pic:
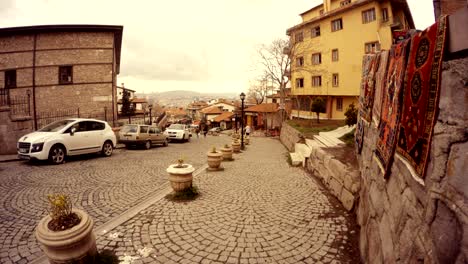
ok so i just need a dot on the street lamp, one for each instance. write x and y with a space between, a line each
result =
242 97
150 108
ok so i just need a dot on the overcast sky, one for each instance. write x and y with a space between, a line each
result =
198 45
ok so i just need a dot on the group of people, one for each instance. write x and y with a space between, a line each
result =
204 130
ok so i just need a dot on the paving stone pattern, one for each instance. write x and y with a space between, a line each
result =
258 210
104 187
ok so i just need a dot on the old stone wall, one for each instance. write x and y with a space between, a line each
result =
342 180
289 136
404 221
14 129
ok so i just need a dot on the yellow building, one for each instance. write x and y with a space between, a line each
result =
326 57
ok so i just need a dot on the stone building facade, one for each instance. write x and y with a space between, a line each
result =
448 7
55 71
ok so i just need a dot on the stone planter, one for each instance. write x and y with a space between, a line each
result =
227 153
180 178
75 245
236 146
214 160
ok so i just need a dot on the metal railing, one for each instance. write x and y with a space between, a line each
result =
4 97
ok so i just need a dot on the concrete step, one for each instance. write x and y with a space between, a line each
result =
325 141
296 159
332 139
314 143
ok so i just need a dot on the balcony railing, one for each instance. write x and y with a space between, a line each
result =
4 97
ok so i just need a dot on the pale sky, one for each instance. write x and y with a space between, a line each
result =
197 45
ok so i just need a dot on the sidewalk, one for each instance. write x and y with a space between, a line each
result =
8 158
258 210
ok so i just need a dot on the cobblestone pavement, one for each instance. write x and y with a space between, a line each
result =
104 187
258 210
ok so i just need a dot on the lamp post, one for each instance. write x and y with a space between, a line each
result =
242 97
150 108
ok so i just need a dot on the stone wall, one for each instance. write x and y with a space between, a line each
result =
289 136
14 129
340 179
403 221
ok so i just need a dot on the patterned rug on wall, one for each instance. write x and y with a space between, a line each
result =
421 95
379 86
370 65
391 107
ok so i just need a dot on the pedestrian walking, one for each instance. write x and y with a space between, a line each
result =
205 130
197 130
247 130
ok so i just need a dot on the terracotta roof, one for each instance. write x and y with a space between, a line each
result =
263 108
211 110
226 116
176 112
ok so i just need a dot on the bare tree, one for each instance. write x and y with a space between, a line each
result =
259 89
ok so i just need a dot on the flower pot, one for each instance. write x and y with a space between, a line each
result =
74 245
214 160
236 146
227 153
180 177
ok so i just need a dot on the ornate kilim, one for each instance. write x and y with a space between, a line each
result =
379 86
359 137
421 95
391 106
370 64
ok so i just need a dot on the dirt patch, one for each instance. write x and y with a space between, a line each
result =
64 222
345 154
309 128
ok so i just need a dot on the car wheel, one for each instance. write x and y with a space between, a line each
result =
147 144
166 143
107 149
57 154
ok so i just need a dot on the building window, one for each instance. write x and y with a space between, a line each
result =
339 104
346 2
321 12
336 81
334 54
368 15
65 74
316 80
315 32
300 83
372 47
316 58
337 24
10 79
384 14
300 62
299 37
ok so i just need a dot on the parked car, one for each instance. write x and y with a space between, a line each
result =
69 137
178 132
142 135
214 131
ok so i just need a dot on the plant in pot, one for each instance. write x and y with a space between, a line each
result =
214 159
227 152
66 233
180 175
236 145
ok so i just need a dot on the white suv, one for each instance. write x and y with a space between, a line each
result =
178 131
67 137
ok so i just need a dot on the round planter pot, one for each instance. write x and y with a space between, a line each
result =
236 147
227 153
214 159
180 178
75 245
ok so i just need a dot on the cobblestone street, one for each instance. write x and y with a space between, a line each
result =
259 209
